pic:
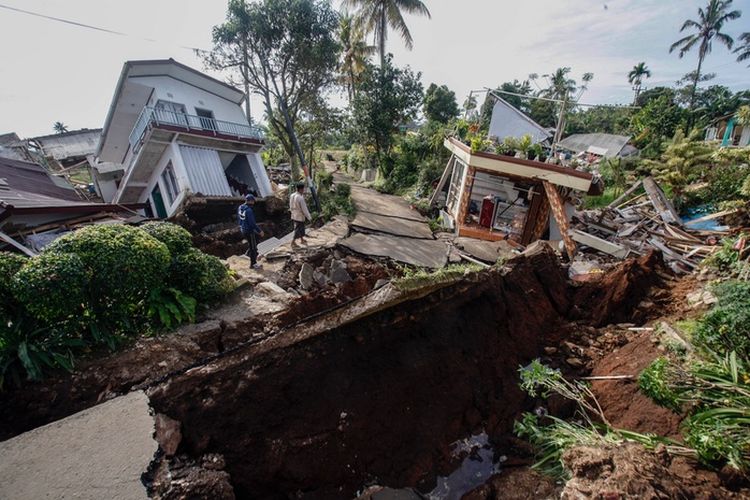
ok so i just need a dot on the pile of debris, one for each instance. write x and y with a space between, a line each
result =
641 219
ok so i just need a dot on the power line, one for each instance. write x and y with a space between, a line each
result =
83 25
549 99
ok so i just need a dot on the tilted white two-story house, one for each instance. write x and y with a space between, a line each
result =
172 132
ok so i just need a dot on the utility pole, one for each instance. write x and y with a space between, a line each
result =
560 123
247 84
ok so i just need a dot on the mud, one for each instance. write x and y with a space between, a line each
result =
380 398
375 396
213 222
631 471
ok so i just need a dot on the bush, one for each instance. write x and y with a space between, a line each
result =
338 202
727 326
52 287
125 263
200 276
356 159
654 383
10 264
325 180
177 238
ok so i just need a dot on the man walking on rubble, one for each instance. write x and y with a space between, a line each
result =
300 213
250 229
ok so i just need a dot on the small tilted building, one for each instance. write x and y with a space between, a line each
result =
494 197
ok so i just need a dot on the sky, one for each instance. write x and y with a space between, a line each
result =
52 71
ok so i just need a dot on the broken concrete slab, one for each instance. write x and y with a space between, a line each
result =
397 226
488 251
422 253
306 276
98 453
368 200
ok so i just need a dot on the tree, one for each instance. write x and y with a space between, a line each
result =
743 51
387 97
636 76
717 101
440 104
354 54
656 122
707 28
648 95
60 127
286 52
562 88
376 16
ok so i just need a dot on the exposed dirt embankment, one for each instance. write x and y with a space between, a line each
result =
381 398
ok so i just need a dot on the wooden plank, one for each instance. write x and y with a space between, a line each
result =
632 189
443 179
557 205
661 203
10 241
600 244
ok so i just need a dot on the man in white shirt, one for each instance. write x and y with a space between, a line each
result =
300 213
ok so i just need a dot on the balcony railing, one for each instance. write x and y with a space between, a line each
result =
158 116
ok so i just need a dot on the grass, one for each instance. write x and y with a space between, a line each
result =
415 278
610 194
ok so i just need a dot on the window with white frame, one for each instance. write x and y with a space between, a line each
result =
170 183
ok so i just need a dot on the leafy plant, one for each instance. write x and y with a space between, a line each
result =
338 202
10 264
125 263
727 326
52 287
552 438
201 276
169 307
177 239
30 350
653 382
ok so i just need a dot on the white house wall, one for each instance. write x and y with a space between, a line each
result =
172 153
173 90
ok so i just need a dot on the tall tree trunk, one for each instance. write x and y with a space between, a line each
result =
300 154
692 92
381 40
352 89
246 81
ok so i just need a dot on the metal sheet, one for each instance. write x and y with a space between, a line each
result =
205 172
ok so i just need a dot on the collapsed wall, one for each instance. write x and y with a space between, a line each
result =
377 399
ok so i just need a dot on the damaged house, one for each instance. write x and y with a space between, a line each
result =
35 206
495 197
172 132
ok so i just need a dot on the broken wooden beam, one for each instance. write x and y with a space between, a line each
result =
600 244
632 189
557 206
660 202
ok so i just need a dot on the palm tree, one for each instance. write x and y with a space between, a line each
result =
743 51
636 76
709 25
376 16
354 54
60 127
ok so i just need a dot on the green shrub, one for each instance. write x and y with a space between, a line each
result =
169 307
727 326
356 159
52 287
200 276
177 238
654 383
10 264
125 264
325 180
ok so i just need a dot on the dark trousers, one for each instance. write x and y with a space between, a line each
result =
299 229
252 248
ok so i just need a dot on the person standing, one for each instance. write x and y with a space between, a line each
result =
300 213
250 229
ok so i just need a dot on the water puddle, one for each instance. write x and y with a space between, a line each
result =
477 467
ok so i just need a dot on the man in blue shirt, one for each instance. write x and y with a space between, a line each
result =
250 229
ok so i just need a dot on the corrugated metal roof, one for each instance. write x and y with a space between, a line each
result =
24 184
610 143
